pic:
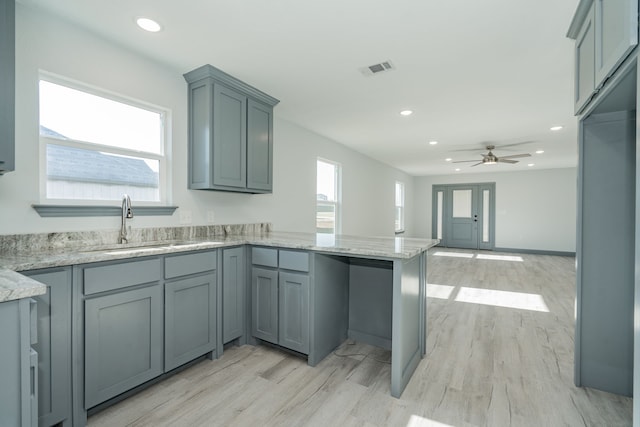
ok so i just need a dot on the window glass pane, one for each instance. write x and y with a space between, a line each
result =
67 113
326 218
326 181
439 220
81 174
462 203
485 216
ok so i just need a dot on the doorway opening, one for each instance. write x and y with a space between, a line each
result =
463 215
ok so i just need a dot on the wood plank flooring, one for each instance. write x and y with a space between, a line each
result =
487 364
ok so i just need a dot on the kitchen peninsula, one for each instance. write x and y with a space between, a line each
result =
304 292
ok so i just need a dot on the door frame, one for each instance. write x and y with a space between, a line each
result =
447 191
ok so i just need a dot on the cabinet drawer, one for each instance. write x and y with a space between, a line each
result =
182 265
116 276
294 260
264 256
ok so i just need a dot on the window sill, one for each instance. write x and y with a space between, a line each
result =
78 211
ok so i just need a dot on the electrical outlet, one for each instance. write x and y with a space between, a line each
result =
185 217
211 218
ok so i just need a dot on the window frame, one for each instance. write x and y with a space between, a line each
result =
163 157
337 203
401 228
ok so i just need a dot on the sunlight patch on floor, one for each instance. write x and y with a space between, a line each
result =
519 300
439 291
500 257
454 254
417 421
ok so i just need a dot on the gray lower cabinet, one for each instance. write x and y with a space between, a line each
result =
18 366
264 304
230 133
123 341
54 346
233 290
190 319
280 298
293 311
7 86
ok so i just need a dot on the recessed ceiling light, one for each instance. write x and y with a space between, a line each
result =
148 25
457 169
433 142
406 112
555 128
448 159
531 164
539 151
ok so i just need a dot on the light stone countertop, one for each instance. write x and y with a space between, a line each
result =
16 286
388 248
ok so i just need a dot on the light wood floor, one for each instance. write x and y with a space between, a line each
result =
486 365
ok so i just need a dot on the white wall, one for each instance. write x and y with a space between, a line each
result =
534 209
47 43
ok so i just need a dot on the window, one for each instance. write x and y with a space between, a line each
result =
96 146
328 197
399 207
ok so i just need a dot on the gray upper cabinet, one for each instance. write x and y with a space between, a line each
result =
616 25
54 346
230 133
605 32
229 136
584 60
233 300
7 86
259 146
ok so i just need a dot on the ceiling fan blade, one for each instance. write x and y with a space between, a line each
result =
464 161
515 156
503 160
479 163
515 144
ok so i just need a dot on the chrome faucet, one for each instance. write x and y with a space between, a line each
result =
126 213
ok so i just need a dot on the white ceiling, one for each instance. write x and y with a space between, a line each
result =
473 72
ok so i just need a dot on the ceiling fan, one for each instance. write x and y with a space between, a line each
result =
492 159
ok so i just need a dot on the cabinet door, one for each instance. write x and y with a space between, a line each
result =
294 311
259 146
585 63
264 304
17 376
7 86
616 34
54 346
229 137
122 342
233 301
190 319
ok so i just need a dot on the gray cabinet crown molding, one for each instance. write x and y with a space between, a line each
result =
207 71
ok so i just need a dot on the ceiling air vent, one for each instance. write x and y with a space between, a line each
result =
377 68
